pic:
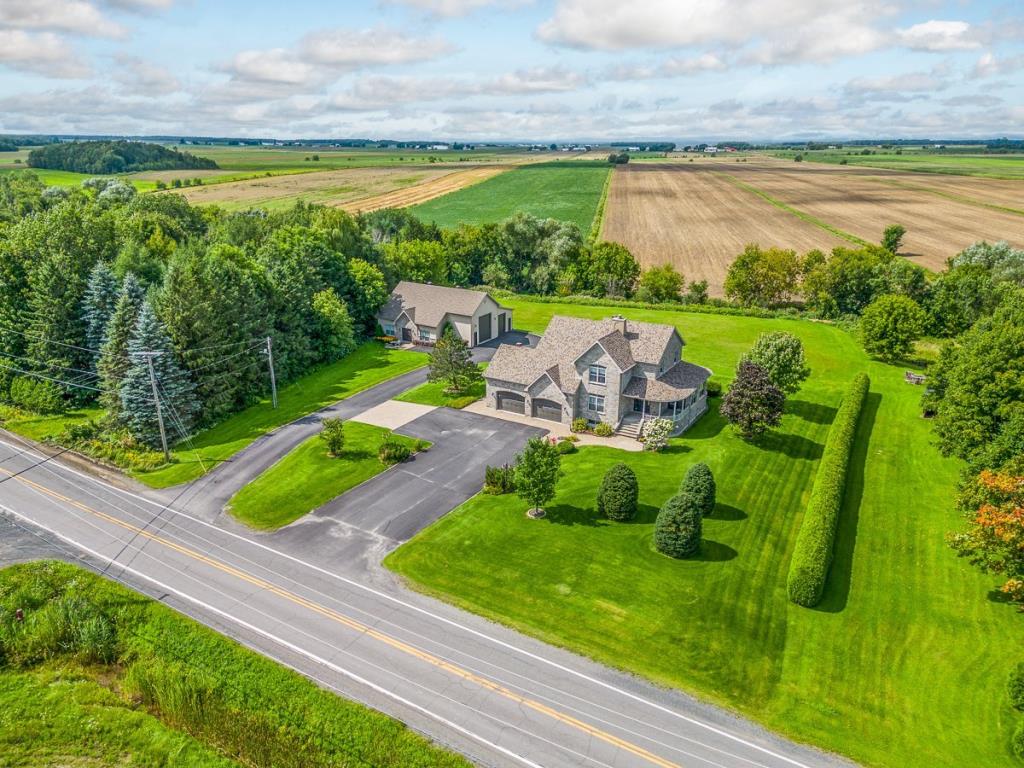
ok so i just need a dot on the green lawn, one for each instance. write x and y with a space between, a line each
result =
367 366
432 393
59 709
903 663
309 477
569 191
40 427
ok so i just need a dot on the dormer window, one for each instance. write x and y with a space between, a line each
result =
598 374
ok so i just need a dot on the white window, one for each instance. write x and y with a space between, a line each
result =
595 403
597 374
424 335
389 330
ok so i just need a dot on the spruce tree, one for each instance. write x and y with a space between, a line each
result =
679 526
98 306
700 483
176 391
452 362
113 361
617 497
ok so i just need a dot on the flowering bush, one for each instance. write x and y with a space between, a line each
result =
654 434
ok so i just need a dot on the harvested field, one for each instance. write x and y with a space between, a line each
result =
168 176
427 190
864 202
327 187
696 220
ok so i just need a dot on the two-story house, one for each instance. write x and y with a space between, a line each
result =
613 370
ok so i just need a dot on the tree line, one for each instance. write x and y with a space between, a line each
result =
114 157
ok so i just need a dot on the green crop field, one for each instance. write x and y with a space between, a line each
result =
1009 166
568 190
904 662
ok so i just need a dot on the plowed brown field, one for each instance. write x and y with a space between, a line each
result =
696 220
692 216
427 190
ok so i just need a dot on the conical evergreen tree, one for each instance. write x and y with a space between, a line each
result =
98 305
679 525
113 362
176 391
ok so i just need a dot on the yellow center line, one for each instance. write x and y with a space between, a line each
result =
357 626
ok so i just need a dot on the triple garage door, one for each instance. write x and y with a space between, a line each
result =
511 401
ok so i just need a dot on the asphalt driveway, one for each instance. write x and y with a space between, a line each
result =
360 527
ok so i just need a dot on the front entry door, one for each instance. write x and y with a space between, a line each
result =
643 407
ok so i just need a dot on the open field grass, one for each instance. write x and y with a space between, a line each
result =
863 203
567 191
432 393
42 427
209 698
1009 166
428 190
308 477
69 179
905 642
684 215
368 365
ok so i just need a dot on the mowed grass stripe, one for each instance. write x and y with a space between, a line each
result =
795 211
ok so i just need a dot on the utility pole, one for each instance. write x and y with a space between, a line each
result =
156 400
273 380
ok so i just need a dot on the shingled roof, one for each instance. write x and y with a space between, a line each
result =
678 382
567 338
427 304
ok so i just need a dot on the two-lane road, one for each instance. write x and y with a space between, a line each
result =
500 698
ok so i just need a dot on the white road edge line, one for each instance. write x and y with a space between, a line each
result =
476 633
280 641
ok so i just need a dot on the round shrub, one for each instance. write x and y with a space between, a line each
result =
714 389
1015 686
566 446
579 424
604 429
701 484
679 526
393 452
617 497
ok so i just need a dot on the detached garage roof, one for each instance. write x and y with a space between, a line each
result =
430 303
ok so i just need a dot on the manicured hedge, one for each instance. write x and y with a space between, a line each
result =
812 556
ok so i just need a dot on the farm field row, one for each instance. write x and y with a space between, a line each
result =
699 216
569 191
1008 166
905 641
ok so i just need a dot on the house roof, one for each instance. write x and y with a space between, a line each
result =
567 338
427 304
678 382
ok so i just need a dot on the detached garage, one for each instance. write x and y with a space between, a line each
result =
511 401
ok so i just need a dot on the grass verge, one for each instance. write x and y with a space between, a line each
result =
905 639
308 477
98 675
432 393
795 211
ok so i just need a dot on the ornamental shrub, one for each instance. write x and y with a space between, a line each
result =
579 424
679 526
617 496
1015 686
812 556
332 432
655 434
566 446
700 483
499 480
604 429
714 389
391 451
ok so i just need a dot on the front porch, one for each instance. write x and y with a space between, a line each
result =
682 413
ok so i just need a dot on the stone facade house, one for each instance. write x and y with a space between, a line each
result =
613 370
417 312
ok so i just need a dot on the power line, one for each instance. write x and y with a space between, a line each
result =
45 340
49 365
56 381
250 342
211 364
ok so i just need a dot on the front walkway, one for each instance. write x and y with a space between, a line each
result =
555 428
392 414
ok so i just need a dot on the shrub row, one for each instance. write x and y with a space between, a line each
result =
812 555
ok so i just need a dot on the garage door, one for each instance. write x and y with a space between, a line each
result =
485 328
511 401
547 409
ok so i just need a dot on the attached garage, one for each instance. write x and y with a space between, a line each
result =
547 409
511 401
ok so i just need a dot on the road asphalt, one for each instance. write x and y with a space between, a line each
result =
314 597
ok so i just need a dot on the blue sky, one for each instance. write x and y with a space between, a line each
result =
544 70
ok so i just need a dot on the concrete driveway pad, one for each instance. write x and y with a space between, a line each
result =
393 414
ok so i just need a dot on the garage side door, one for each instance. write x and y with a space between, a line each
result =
511 401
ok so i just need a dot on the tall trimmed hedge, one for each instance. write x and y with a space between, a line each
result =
812 556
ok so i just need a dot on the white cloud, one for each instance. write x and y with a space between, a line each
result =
672 67
939 36
139 75
450 8
277 65
988 65
75 16
43 53
141 5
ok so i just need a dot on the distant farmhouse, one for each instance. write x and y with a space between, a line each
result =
613 370
418 312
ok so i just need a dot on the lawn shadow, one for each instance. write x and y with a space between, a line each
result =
709 425
646 513
840 577
675 448
998 596
563 514
816 413
793 446
726 512
714 552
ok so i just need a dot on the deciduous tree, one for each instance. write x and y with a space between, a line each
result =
890 326
781 354
753 403
763 278
660 284
892 237
537 471
332 432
